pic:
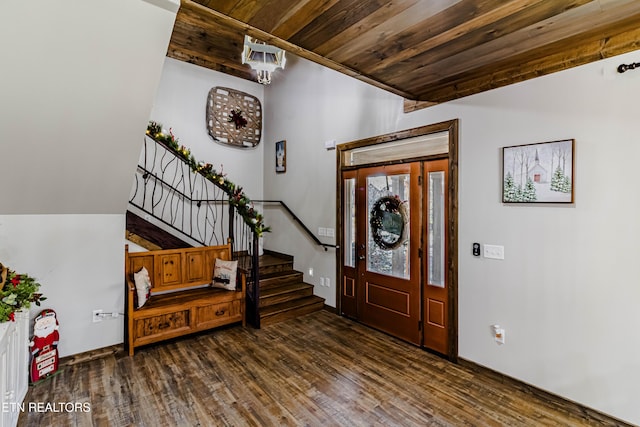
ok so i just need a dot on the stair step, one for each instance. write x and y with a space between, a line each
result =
270 263
281 278
290 309
280 294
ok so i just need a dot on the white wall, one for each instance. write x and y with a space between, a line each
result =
79 261
180 104
567 290
77 82
306 106
76 87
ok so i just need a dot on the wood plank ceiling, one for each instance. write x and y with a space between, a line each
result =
423 50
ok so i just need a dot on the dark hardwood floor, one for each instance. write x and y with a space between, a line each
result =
316 370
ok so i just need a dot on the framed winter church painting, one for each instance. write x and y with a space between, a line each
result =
538 173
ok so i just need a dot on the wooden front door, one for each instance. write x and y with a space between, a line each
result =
395 256
381 281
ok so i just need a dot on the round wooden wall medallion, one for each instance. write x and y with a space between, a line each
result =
234 118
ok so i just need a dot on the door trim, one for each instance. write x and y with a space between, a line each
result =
452 226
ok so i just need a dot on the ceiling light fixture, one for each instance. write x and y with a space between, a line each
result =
263 58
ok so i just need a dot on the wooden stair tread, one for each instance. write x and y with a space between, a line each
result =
279 274
287 306
268 260
285 311
279 279
284 289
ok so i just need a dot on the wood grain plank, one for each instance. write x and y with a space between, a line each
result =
392 15
320 369
299 15
215 18
336 19
585 52
508 42
486 25
401 32
549 32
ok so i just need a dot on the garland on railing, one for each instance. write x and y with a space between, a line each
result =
237 197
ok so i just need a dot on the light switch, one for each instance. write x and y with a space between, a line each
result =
493 251
322 231
331 232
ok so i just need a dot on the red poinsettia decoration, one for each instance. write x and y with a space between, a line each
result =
237 119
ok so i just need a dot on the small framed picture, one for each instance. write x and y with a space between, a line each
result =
281 156
538 173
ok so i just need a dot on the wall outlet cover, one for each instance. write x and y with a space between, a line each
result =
493 251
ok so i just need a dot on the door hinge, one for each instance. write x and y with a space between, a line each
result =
419 179
419 252
419 325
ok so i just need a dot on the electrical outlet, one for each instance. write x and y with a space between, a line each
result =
97 316
498 334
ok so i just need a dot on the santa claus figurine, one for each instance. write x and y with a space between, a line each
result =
44 344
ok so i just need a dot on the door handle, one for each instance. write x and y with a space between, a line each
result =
361 257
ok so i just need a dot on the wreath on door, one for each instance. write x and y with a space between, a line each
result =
388 222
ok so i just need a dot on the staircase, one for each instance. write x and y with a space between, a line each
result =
283 293
191 199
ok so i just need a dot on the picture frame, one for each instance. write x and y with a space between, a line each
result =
281 156
539 173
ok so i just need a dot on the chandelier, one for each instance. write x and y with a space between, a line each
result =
263 58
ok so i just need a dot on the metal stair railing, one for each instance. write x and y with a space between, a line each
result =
187 203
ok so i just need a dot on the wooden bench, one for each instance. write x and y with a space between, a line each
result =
180 301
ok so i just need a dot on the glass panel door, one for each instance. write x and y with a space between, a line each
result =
388 225
350 232
387 242
435 230
349 222
435 291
